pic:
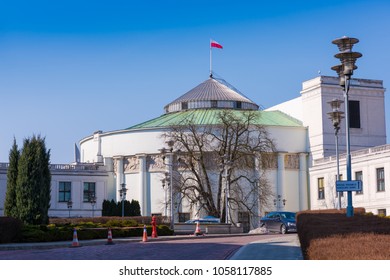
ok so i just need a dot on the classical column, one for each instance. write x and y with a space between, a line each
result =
172 211
280 181
303 187
256 193
119 174
143 186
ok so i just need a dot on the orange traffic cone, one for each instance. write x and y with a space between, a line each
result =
109 238
145 235
197 230
75 242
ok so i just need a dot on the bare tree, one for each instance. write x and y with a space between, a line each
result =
232 154
332 194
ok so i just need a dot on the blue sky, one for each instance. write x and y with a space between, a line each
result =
69 68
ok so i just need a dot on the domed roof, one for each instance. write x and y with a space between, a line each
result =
212 93
211 117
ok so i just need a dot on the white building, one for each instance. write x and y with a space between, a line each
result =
138 163
303 174
370 161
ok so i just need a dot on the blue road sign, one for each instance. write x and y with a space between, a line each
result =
347 186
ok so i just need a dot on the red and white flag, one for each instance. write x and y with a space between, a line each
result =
214 44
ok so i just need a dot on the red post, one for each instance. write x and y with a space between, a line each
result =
154 229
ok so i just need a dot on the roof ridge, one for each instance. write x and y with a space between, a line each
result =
207 116
287 116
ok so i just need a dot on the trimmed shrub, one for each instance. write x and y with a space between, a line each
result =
10 229
87 231
324 224
139 220
112 208
121 223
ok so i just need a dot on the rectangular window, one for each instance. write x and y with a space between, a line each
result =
381 212
184 105
238 104
64 191
183 217
321 188
380 179
354 114
89 191
214 103
359 176
340 179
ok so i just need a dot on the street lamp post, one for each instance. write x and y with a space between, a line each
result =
164 182
226 195
122 194
92 200
278 201
336 116
345 71
170 165
69 204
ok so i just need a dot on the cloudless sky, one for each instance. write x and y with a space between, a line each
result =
69 68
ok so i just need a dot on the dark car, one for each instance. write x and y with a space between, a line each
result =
279 221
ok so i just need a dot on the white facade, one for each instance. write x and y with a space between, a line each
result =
77 175
368 142
138 164
312 108
366 164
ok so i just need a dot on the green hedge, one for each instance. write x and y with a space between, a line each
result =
64 233
13 230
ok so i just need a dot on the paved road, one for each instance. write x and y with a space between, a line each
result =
195 248
286 247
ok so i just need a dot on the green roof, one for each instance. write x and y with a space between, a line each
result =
210 116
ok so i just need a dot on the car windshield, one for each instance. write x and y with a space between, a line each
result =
287 215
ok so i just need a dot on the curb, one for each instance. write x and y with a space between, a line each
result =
95 242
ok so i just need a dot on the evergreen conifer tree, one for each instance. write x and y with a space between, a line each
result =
33 182
10 208
135 208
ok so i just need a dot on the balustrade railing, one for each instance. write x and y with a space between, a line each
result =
4 165
357 153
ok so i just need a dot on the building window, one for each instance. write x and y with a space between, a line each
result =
321 188
354 114
214 104
380 179
89 191
183 217
359 176
340 179
238 105
184 105
64 191
381 212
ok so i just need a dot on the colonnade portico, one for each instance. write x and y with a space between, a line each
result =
142 174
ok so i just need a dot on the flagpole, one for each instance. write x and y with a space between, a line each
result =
211 59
